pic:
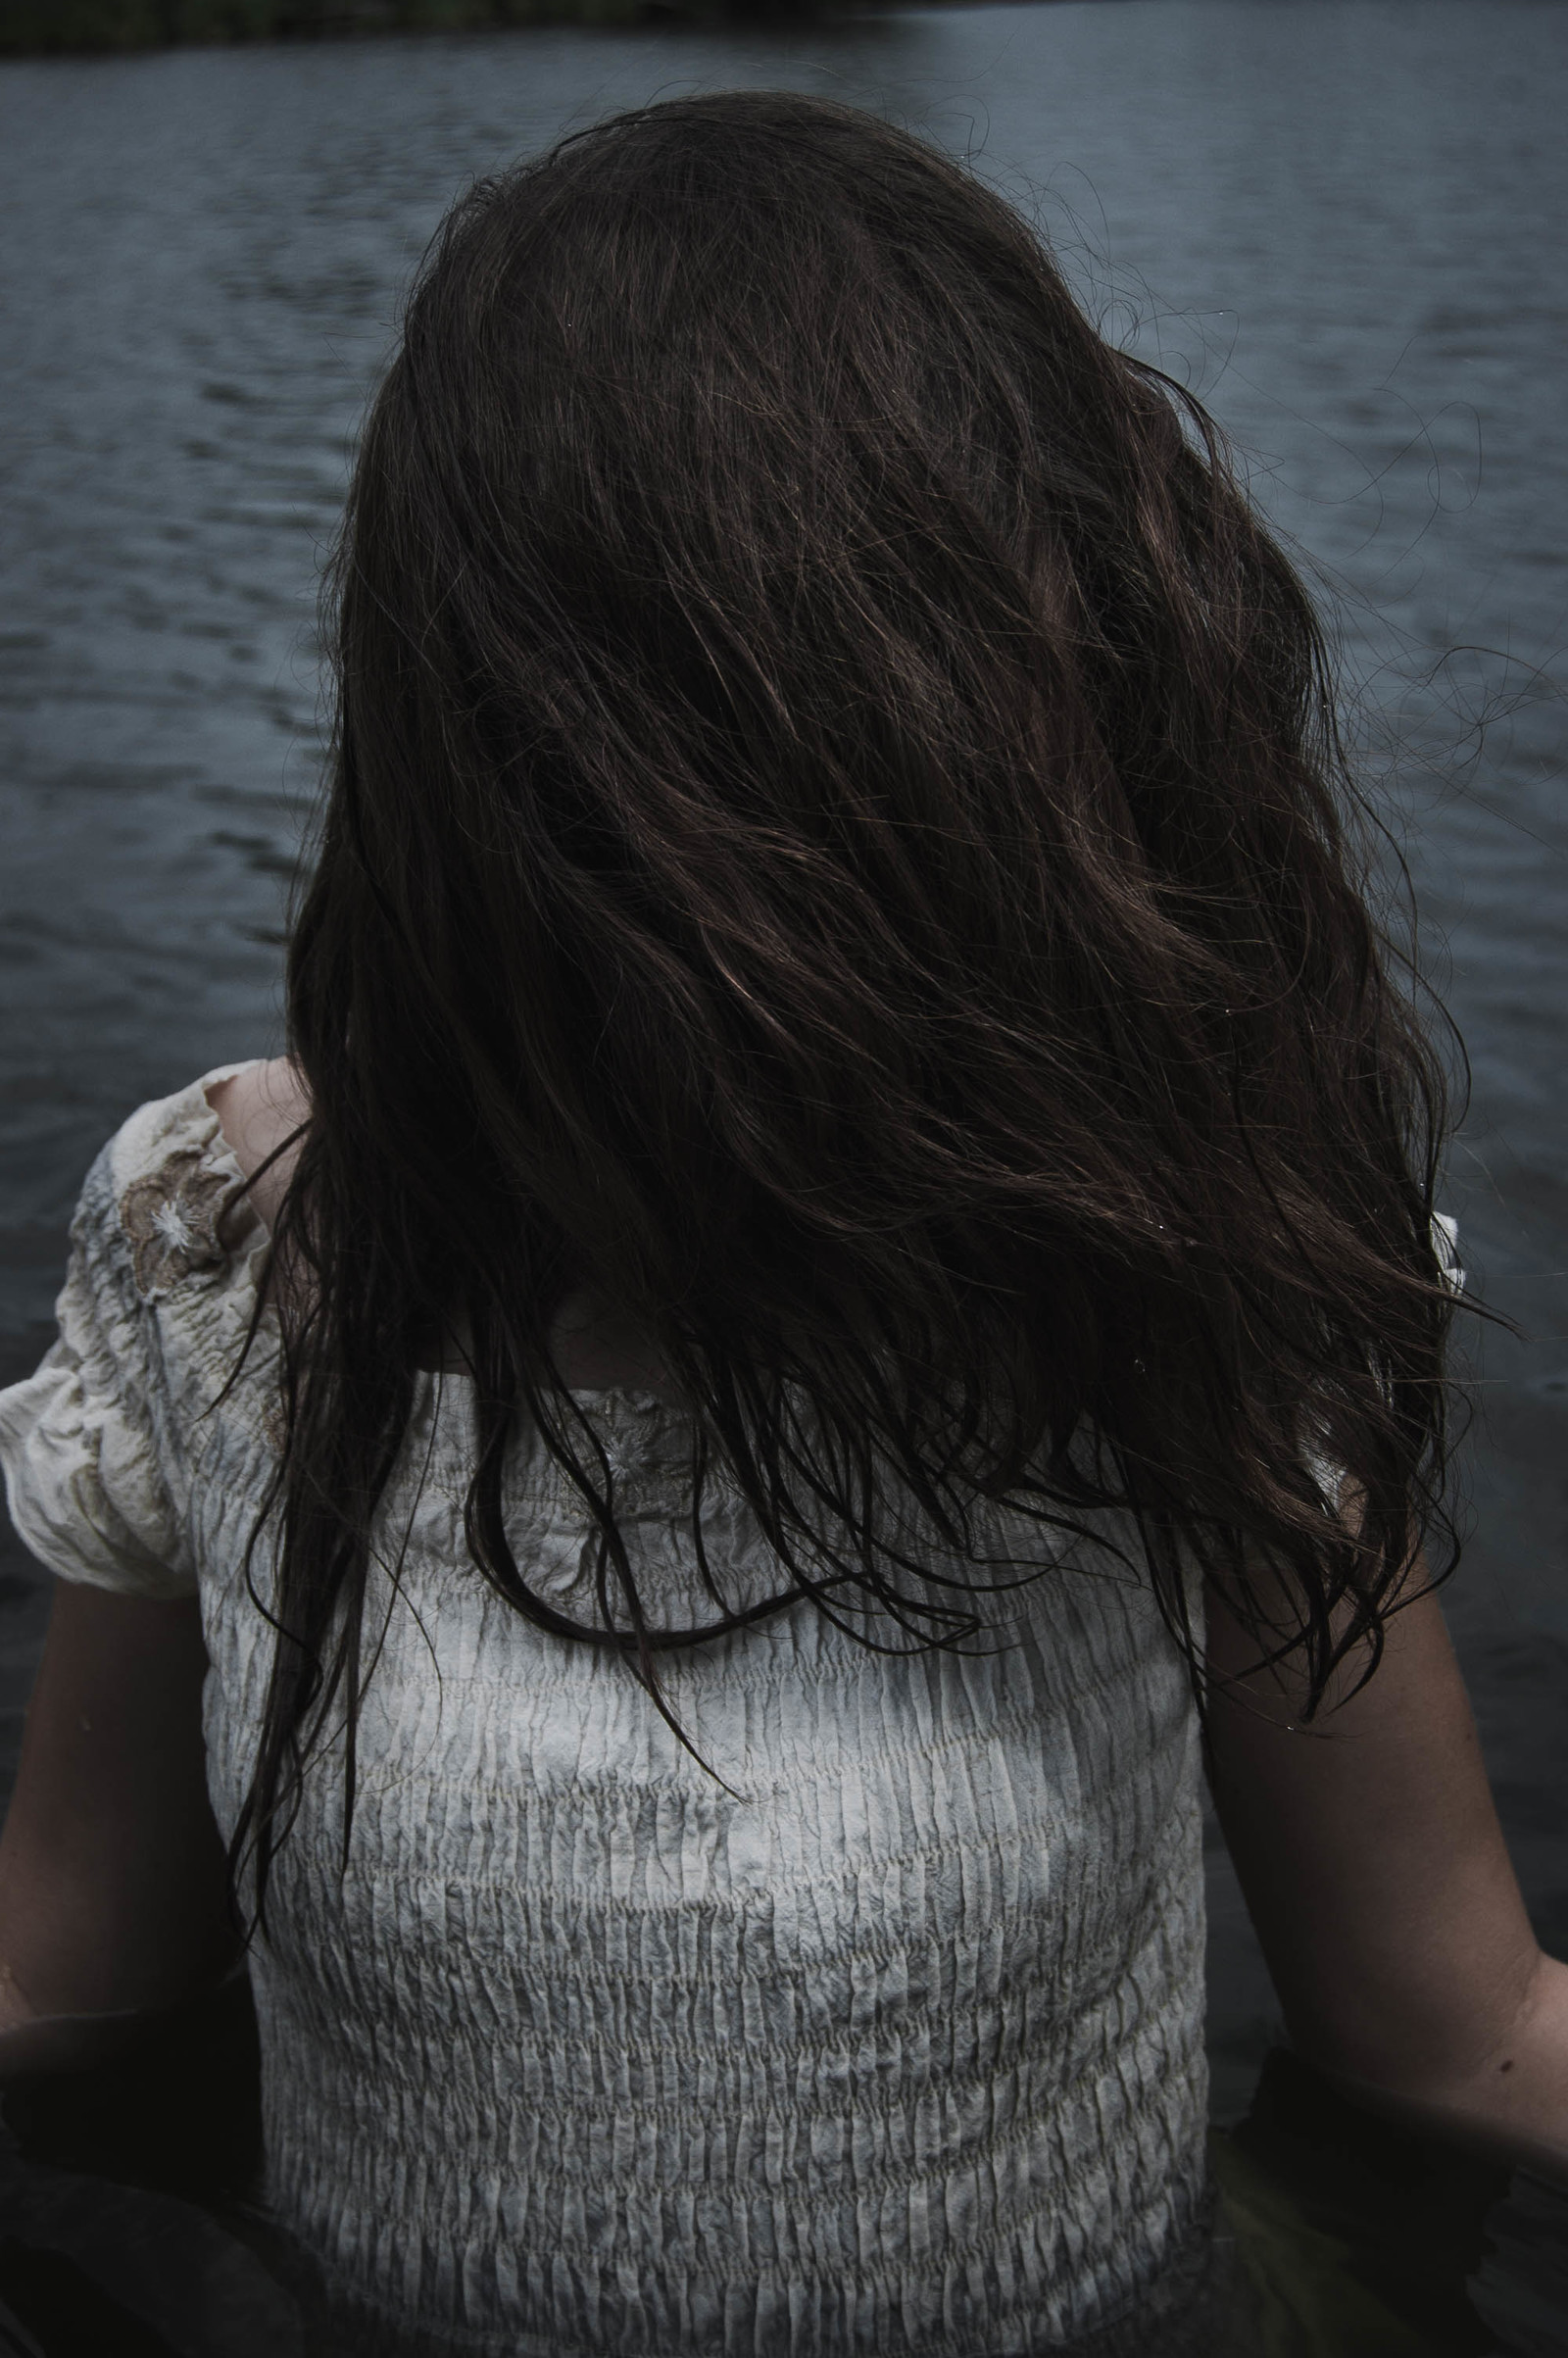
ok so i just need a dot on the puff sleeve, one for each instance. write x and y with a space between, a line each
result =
85 1479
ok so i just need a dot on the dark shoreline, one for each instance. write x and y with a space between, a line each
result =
37 29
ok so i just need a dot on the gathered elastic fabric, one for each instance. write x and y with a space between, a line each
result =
895 2047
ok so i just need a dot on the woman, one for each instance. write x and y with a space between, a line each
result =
843 1258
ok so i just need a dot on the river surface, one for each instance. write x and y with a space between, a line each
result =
1342 223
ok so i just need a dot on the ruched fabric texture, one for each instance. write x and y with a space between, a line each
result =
895 2047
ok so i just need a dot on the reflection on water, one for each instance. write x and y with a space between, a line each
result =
1341 223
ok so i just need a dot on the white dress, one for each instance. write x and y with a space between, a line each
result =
899 2051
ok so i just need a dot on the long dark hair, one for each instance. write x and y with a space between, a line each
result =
839 837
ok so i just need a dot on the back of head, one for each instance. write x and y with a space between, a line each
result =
838 835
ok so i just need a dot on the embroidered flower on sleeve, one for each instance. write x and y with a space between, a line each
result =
172 1217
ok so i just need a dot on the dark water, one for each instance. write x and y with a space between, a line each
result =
1343 223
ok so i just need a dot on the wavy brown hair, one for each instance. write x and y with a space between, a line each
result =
839 837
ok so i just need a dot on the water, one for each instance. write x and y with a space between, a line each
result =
1341 223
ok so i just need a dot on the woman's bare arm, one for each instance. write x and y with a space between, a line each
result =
112 1870
1377 1877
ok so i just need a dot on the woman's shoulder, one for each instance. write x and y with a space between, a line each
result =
167 1187
260 1108
157 1297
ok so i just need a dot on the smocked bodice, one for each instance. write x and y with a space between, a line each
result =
889 2042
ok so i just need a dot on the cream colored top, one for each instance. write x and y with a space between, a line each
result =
899 2051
